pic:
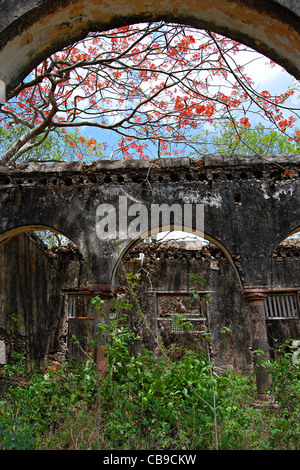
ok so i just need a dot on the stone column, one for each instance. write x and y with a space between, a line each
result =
255 297
105 292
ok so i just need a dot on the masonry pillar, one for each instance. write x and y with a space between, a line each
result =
105 292
255 297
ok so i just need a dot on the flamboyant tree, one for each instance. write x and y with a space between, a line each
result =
137 91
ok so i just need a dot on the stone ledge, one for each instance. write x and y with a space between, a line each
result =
215 161
209 162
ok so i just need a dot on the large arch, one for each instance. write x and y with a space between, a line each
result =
31 31
32 303
283 236
125 250
280 242
9 234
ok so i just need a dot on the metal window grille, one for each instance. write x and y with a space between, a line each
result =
282 306
78 307
188 325
193 321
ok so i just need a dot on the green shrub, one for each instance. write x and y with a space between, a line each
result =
145 402
14 437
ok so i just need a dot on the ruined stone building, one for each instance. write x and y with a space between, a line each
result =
45 294
249 208
40 287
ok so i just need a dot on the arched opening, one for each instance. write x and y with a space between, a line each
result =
165 232
33 32
185 288
36 264
48 235
286 253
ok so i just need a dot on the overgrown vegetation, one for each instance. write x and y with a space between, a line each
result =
146 402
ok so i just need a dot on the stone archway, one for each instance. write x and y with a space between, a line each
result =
128 247
31 31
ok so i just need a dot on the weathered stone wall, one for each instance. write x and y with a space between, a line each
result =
285 265
33 278
248 206
284 273
166 267
31 281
